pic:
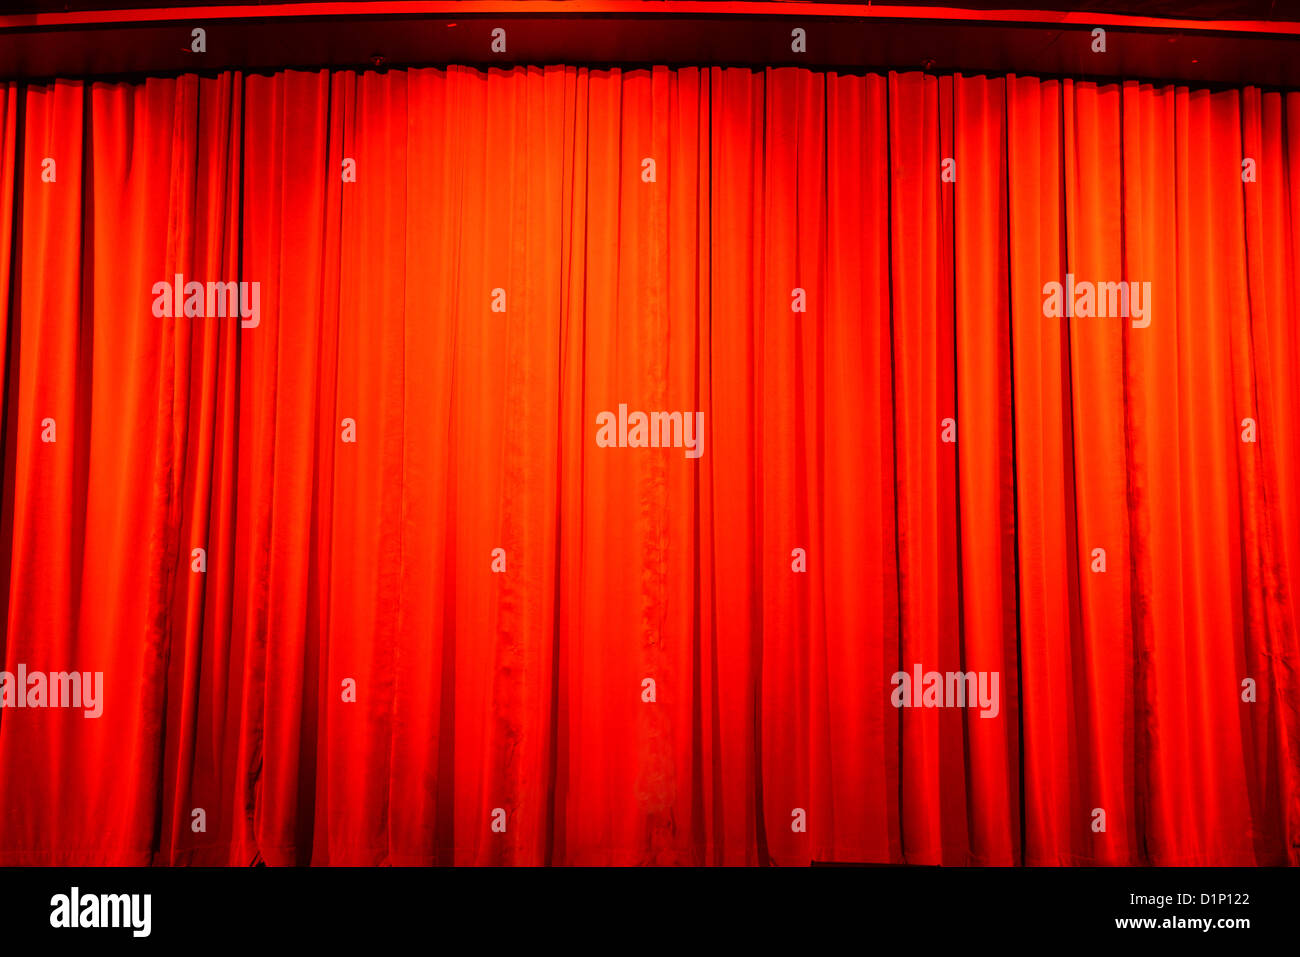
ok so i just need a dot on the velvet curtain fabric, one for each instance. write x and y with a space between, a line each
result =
428 639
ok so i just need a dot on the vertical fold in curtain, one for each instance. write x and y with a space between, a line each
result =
367 587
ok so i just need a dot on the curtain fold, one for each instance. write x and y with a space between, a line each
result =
367 584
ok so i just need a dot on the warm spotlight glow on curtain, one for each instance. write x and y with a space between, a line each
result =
372 568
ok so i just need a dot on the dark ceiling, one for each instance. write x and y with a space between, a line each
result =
1287 10
153 37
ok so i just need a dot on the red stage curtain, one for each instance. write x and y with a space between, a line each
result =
503 269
